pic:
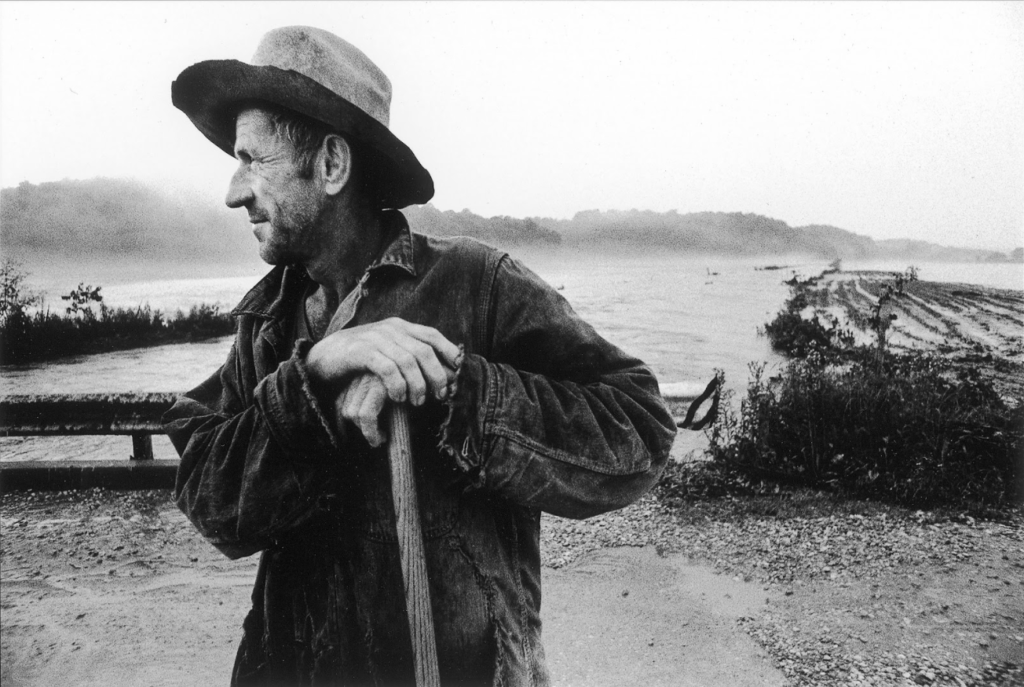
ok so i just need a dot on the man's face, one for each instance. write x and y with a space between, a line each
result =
284 209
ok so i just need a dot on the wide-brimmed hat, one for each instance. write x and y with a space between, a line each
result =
319 75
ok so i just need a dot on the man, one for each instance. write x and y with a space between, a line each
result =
517 406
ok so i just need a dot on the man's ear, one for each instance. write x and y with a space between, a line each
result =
335 163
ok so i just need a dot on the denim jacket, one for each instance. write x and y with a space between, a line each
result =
546 416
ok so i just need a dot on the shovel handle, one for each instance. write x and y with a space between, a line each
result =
410 547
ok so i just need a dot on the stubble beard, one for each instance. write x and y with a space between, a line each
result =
293 237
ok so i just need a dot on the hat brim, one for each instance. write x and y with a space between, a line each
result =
210 93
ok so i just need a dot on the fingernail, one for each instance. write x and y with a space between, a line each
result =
442 393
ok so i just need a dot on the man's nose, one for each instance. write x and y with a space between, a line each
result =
239 190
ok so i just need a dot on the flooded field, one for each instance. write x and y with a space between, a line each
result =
969 322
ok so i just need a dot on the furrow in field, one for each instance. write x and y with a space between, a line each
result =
928 314
966 322
920 312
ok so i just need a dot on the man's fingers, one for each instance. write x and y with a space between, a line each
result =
418 365
447 352
411 360
392 376
352 398
432 371
436 358
407 357
369 414
362 403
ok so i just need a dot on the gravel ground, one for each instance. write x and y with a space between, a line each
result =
872 594
861 593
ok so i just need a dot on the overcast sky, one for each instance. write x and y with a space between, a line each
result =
895 120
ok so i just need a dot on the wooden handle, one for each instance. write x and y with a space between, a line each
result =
410 547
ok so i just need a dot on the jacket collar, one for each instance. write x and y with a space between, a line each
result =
398 251
274 296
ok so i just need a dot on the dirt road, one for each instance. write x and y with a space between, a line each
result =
107 596
116 588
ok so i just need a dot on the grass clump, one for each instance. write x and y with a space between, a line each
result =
911 430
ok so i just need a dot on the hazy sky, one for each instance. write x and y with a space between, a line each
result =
887 119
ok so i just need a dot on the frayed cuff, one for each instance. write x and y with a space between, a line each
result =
460 432
300 352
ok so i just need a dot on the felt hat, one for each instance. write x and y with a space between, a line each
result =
319 75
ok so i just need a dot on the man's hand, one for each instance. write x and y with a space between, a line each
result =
390 359
361 403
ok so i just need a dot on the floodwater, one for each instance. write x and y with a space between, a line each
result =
685 316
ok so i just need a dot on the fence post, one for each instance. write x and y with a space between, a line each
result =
142 447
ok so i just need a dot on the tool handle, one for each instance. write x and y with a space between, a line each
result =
410 547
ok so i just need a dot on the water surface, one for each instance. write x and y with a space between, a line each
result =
685 316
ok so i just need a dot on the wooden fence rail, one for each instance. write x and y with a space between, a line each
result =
133 414
137 415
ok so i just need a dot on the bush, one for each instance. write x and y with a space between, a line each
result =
911 430
795 336
81 299
42 335
15 303
201 321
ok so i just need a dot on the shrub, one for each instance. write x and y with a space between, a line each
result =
911 430
201 322
793 335
14 297
15 303
43 335
81 299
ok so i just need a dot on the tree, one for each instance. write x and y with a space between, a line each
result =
82 298
15 300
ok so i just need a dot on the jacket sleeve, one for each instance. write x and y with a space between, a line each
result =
253 465
555 417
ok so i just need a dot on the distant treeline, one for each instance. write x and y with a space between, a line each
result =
75 219
502 231
115 217
735 233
